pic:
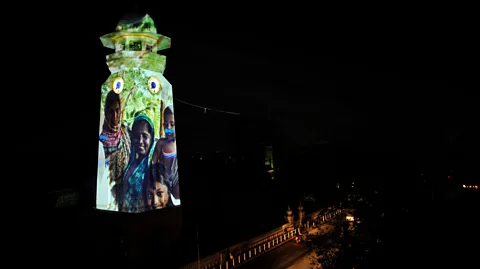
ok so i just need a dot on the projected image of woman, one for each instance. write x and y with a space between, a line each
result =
116 145
165 158
136 181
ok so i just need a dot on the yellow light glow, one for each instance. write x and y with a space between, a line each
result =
154 85
117 85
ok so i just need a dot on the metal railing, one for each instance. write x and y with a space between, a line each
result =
248 250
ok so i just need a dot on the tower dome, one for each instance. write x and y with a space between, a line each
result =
136 42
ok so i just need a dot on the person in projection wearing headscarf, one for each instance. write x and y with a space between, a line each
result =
165 158
116 144
137 179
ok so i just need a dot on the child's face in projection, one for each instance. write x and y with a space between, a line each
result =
160 195
169 123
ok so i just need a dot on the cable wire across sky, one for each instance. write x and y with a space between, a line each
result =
206 108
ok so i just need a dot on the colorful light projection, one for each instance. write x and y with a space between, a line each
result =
137 160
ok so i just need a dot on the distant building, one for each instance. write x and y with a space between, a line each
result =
269 165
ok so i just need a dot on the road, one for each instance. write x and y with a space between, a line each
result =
281 257
291 255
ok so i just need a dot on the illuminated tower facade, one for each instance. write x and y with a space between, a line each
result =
137 168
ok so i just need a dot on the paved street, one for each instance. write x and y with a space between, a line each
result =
279 258
291 255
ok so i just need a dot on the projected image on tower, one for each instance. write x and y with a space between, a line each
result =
137 168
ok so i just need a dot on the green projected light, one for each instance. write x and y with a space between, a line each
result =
137 164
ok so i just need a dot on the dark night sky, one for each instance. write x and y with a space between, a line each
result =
378 85
393 89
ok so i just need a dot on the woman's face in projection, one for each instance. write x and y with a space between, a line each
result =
141 138
169 123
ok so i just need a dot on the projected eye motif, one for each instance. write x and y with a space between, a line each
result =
154 85
117 85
